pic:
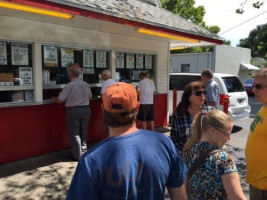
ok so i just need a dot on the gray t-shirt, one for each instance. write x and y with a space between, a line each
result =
76 93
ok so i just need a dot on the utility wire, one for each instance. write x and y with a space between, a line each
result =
241 23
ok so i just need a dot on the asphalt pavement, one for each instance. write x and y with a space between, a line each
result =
47 177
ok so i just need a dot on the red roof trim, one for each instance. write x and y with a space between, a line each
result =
104 17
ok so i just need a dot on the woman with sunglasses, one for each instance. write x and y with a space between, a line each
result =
216 177
182 120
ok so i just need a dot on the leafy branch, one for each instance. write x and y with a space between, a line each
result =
256 5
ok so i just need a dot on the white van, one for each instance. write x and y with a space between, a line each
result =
229 85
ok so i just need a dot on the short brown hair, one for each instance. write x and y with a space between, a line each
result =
261 73
74 70
120 119
207 73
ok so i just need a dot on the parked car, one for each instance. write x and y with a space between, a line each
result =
229 85
248 84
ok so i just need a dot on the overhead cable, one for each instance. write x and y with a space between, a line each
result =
242 23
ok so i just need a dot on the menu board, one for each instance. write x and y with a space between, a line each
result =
130 61
139 59
119 60
19 54
67 56
101 61
3 56
148 61
25 75
50 56
6 78
88 58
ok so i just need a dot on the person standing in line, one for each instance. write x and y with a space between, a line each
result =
216 177
192 102
256 147
131 163
107 80
76 96
211 87
146 90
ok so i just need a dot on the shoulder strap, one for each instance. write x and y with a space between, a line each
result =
199 160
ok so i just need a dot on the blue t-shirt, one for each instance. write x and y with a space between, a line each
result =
134 166
213 92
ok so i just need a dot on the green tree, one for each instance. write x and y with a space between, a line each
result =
256 41
227 42
186 9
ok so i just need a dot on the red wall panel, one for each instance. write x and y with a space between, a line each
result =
28 131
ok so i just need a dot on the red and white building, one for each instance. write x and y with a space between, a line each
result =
39 38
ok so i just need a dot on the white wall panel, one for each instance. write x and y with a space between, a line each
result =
46 33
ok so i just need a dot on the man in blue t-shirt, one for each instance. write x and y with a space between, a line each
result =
130 164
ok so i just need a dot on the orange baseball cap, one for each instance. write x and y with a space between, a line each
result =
120 97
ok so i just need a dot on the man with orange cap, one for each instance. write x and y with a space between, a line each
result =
131 163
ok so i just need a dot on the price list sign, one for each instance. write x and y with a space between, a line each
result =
3 57
20 55
25 74
50 56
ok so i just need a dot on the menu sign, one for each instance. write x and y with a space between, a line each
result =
119 60
3 57
101 61
148 61
88 58
25 74
67 56
130 61
139 61
6 78
50 56
20 55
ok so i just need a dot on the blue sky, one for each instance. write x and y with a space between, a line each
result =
222 13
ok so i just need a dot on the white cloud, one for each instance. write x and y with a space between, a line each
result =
222 13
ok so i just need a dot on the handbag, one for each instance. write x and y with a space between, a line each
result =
196 164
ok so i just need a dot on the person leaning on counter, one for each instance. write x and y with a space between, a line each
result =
76 96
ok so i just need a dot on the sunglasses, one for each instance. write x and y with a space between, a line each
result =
198 93
259 86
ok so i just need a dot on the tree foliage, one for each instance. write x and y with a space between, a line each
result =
186 9
256 41
255 4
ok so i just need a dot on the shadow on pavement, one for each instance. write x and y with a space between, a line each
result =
42 177
32 163
240 163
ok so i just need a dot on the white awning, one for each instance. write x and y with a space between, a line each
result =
249 67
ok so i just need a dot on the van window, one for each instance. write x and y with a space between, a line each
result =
233 84
179 82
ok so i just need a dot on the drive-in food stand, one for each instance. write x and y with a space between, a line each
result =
38 39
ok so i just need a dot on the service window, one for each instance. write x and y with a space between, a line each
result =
16 72
56 60
130 65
